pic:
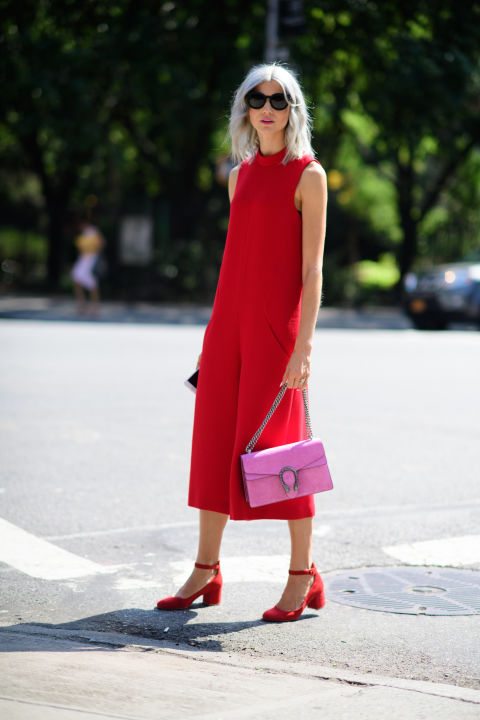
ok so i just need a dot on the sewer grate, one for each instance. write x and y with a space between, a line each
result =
410 590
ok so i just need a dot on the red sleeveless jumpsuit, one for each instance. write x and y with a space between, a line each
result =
249 339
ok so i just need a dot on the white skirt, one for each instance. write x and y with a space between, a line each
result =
82 271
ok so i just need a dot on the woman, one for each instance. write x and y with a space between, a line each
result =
89 242
261 331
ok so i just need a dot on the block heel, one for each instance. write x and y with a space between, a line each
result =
213 596
212 592
315 599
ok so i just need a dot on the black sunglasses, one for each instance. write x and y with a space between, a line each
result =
257 100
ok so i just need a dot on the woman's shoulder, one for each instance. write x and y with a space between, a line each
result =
234 170
232 179
312 167
306 164
233 174
313 180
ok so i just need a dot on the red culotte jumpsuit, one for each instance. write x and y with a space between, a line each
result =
249 339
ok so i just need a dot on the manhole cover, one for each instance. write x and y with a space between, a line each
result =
411 590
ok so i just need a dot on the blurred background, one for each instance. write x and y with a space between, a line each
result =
117 111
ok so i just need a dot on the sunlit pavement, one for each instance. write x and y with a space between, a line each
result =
96 428
63 308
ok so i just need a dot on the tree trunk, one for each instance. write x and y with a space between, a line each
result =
56 243
57 193
409 226
408 249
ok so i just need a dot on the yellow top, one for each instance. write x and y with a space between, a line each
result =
89 242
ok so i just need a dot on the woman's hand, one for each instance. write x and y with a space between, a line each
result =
198 361
298 369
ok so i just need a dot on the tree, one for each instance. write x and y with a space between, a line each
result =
411 69
53 101
155 79
130 100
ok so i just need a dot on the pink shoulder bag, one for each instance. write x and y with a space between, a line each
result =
287 471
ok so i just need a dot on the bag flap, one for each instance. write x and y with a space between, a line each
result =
299 455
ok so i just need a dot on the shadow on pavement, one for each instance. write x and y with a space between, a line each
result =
171 628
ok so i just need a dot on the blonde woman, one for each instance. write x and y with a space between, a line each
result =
261 331
89 242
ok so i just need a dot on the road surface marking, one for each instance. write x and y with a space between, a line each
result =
114 531
321 530
251 568
402 509
339 513
445 552
135 583
40 559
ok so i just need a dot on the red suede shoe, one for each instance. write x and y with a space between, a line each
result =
315 599
212 592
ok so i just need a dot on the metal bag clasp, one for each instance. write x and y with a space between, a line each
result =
284 484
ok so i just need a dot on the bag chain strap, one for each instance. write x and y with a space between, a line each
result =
276 403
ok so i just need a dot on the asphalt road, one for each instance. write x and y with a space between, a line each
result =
96 427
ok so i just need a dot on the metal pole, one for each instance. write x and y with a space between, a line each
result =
271 31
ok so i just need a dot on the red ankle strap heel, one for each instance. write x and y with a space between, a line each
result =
208 567
315 599
212 592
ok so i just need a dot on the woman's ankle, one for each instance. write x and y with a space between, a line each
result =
206 562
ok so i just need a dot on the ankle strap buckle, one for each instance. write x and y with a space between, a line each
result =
311 571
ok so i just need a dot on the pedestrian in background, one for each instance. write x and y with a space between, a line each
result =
261 331
89 242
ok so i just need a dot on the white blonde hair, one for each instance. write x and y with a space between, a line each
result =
244 137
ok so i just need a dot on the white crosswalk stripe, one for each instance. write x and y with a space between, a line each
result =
453 551
40 558
253 568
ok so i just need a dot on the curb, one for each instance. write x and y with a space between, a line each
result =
297 669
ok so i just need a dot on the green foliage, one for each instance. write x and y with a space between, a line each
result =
383 274
128 103
366 192
22 253
398 88
118 99
452 228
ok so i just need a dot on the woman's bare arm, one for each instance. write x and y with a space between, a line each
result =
313 194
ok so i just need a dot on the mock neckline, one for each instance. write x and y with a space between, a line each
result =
271 159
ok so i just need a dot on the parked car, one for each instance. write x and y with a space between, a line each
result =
443 293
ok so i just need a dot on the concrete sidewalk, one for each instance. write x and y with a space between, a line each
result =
62 308
49 674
